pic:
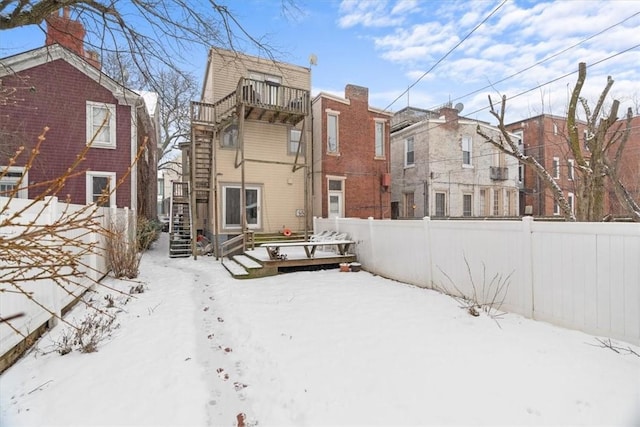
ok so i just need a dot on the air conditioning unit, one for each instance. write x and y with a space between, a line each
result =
499 173
385 179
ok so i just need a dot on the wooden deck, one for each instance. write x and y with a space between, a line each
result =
297 257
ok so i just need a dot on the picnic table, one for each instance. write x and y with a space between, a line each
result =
273 248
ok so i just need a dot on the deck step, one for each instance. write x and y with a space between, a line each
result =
246 262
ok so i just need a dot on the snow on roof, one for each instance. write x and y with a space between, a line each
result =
150 100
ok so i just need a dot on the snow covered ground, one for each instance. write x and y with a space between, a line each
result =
316 348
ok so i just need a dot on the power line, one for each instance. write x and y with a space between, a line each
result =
447 54
547 58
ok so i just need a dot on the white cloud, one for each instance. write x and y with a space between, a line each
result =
368 13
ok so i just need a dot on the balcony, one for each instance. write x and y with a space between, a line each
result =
263 101
498 173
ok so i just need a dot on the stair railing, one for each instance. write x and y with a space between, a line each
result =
231 245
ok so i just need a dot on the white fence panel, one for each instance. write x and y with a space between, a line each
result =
46 296
583 276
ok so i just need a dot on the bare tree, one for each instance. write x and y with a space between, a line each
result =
595 167
155 34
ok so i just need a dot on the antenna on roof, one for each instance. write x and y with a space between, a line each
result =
459 107
313 59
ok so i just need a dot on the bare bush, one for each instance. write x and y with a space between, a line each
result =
486 297
86 335
122 252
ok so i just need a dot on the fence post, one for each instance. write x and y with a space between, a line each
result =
426 222
527 270
51 207
372 251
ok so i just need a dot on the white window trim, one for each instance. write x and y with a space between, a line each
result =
556 207
381 123
290 140
112 125
406 143
336 114
470 149
23 191
341 193
571 199
223 134
226 226
445 207
89 186
556 167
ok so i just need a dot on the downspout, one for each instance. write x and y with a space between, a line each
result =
214 206
243 201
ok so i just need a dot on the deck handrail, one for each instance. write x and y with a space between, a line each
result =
254 93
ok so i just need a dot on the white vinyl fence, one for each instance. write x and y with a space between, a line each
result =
584 276
46 292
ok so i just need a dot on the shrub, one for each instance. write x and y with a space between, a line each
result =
147 232
124 259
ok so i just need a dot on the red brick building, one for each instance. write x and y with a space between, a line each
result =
351 156
59 87
545 138
629 168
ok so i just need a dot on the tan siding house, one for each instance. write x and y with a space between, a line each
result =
253 116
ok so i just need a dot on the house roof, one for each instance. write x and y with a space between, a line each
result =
45 54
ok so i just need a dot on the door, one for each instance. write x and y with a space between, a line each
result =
231 214
336 209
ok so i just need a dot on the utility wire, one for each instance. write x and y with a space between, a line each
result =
547 58
447 54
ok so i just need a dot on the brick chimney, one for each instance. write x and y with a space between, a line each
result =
65 32
70 34
357 93
450 117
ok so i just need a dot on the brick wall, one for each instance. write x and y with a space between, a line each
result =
364 195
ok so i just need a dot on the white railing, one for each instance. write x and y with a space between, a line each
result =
584 276
52 296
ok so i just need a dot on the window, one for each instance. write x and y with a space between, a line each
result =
230 136
556 207
571 200
497 201
555 129
101 125
441 206
409 156
379 138
409 205
294 142
570 172
466 205
507 208
466 151
10 178
520 173
332 133
267 90
484 206
232 209
335 196
100 188
556 167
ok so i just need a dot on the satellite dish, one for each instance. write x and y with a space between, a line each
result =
459 107
313 59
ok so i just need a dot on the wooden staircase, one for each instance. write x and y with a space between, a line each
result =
202 160
180 222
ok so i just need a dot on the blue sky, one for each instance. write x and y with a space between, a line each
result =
390 45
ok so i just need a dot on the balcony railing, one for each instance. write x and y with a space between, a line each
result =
265 101
499 173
